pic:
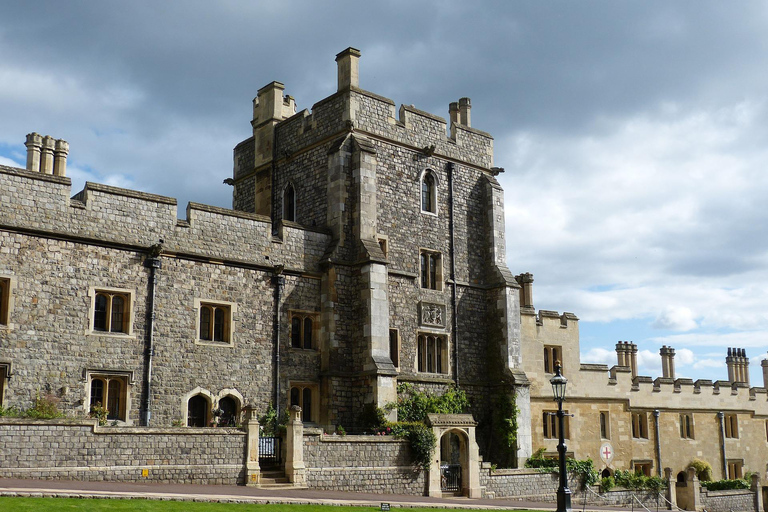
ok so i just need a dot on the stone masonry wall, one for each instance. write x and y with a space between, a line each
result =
80 450
375 464
728 501
518 483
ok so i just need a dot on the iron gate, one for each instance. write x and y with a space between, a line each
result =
270 450
450 477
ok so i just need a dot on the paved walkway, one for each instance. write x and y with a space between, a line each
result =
241 494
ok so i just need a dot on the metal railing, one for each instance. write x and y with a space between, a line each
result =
270 450
450 477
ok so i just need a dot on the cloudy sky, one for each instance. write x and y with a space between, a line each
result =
634 134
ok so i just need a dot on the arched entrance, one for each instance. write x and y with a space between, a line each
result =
455 466
453 461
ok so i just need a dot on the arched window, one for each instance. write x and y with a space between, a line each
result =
197 411
302 325
428 193
228 412
289 203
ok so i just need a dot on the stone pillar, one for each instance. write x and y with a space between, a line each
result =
60 158
670 493
694 490
252 468
46 157
473 466
756 488
465 105
347 63
294 448
34 144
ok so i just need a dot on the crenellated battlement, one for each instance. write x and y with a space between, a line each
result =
103 214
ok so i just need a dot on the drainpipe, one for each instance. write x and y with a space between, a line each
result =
720 417
656 415
154 264
450 167
279 281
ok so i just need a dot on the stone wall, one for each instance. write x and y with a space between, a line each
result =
741 500
525 484
376 464
81 450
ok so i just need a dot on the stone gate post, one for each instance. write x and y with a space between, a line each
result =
294 448
252 468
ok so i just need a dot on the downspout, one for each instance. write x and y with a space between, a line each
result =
720 417
656 415
154 264
279 281
450 167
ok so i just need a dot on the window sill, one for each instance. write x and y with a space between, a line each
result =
111 334
222 344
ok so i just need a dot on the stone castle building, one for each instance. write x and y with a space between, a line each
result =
365 248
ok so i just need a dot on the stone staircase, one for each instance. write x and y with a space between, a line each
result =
274 478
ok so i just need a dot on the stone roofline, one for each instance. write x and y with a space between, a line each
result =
549 317
91 215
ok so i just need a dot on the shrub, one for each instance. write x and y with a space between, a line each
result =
10 412
99 412
724 485
420 437
271 425
607 483
45 407
371 418
584 469
703 469
413 405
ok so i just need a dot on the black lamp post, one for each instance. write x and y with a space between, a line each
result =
558 387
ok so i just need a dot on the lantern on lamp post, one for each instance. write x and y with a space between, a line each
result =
558 388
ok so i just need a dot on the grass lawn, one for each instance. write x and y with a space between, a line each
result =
50 504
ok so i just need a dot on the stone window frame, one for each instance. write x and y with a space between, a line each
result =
383 241
645 466
125 377
291 215
239 404
313 414
639 425
731 425
129 297
230 309
5 376
735 469
428 174
426 280
687 429
7 291
604 420
553 353
551 425
440 354
303 317
395 344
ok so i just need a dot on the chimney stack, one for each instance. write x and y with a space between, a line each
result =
46 157
621 356
60 158
526 289
453 112
34 145
764 364
667 362
348 68
633 359
464 107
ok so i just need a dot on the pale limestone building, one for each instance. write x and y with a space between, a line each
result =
645 423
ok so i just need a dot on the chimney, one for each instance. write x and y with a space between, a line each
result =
46 158
633 360
60 158
464 107
453 112
731 363
621 355
744 367
764 364
667 362
526 289
347 63
34 143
